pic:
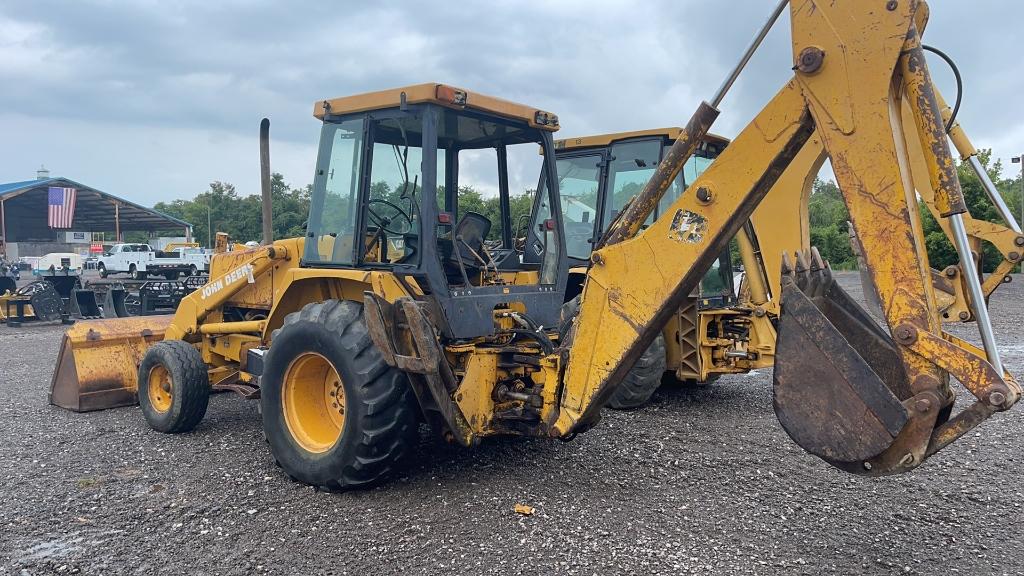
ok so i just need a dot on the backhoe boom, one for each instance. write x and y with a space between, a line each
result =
863 399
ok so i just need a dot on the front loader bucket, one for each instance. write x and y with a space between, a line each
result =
97 367
839 383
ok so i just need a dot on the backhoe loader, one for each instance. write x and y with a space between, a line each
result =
718 330
391 310
722 328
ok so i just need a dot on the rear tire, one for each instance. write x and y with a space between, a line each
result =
103 270
193 271
643 378
174 387
335 414
135 274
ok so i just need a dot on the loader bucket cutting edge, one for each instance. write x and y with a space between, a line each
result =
838 380
97 367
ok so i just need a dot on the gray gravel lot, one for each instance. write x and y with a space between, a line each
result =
701 481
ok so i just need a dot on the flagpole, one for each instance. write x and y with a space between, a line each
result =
3 230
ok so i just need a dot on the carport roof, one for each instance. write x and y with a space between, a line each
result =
94 209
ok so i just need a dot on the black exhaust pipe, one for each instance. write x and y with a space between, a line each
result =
268 228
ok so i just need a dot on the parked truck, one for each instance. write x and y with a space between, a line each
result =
141 260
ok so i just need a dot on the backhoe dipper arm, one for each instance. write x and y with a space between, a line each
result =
844 389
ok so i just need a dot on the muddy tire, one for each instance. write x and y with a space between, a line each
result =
335 414
174 387
643 378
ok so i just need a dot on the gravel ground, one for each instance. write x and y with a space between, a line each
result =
701 481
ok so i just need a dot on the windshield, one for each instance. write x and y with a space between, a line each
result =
578 189
631 165
332 215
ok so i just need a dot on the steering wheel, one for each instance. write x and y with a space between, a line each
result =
383 220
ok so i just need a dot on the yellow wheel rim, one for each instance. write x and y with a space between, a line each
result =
313 401
160 389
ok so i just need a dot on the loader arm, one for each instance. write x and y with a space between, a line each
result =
863 399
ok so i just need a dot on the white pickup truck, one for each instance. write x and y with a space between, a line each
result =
140 261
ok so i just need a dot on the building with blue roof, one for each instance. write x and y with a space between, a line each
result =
99 217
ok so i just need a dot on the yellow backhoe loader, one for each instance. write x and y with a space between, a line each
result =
719 329
392 310
722 328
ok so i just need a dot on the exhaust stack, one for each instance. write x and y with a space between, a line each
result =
268 228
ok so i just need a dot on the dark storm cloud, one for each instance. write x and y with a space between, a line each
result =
170 92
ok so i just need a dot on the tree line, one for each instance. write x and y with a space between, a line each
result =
829 219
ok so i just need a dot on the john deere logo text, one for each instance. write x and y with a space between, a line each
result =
229 279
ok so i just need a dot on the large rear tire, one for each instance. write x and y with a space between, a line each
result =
643 378
335 414
174 387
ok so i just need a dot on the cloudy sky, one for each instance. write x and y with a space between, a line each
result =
153 99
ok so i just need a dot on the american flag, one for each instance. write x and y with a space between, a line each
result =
61 207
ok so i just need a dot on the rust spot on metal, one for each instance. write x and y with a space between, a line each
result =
93 335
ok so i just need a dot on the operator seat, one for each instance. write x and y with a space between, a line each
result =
466 238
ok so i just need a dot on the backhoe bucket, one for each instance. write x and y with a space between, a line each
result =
839 383
82 304
97 367
113 303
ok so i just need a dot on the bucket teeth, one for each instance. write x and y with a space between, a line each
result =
787 266
816 262
801 263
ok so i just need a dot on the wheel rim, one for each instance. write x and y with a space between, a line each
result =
160 389
313 401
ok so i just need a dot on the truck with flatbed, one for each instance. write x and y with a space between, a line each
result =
141 260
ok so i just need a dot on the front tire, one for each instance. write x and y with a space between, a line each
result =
174 387
335 414
643 378
103 270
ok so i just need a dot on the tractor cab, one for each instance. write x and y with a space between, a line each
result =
401 184
597 177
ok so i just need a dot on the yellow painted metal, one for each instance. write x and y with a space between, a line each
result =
474 394
633 279
442 94
313 402
856 99
218 349
781 221
98 363
602 140
245 268
754 275
233 327
160 389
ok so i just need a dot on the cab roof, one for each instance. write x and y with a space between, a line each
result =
442 94
606 139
